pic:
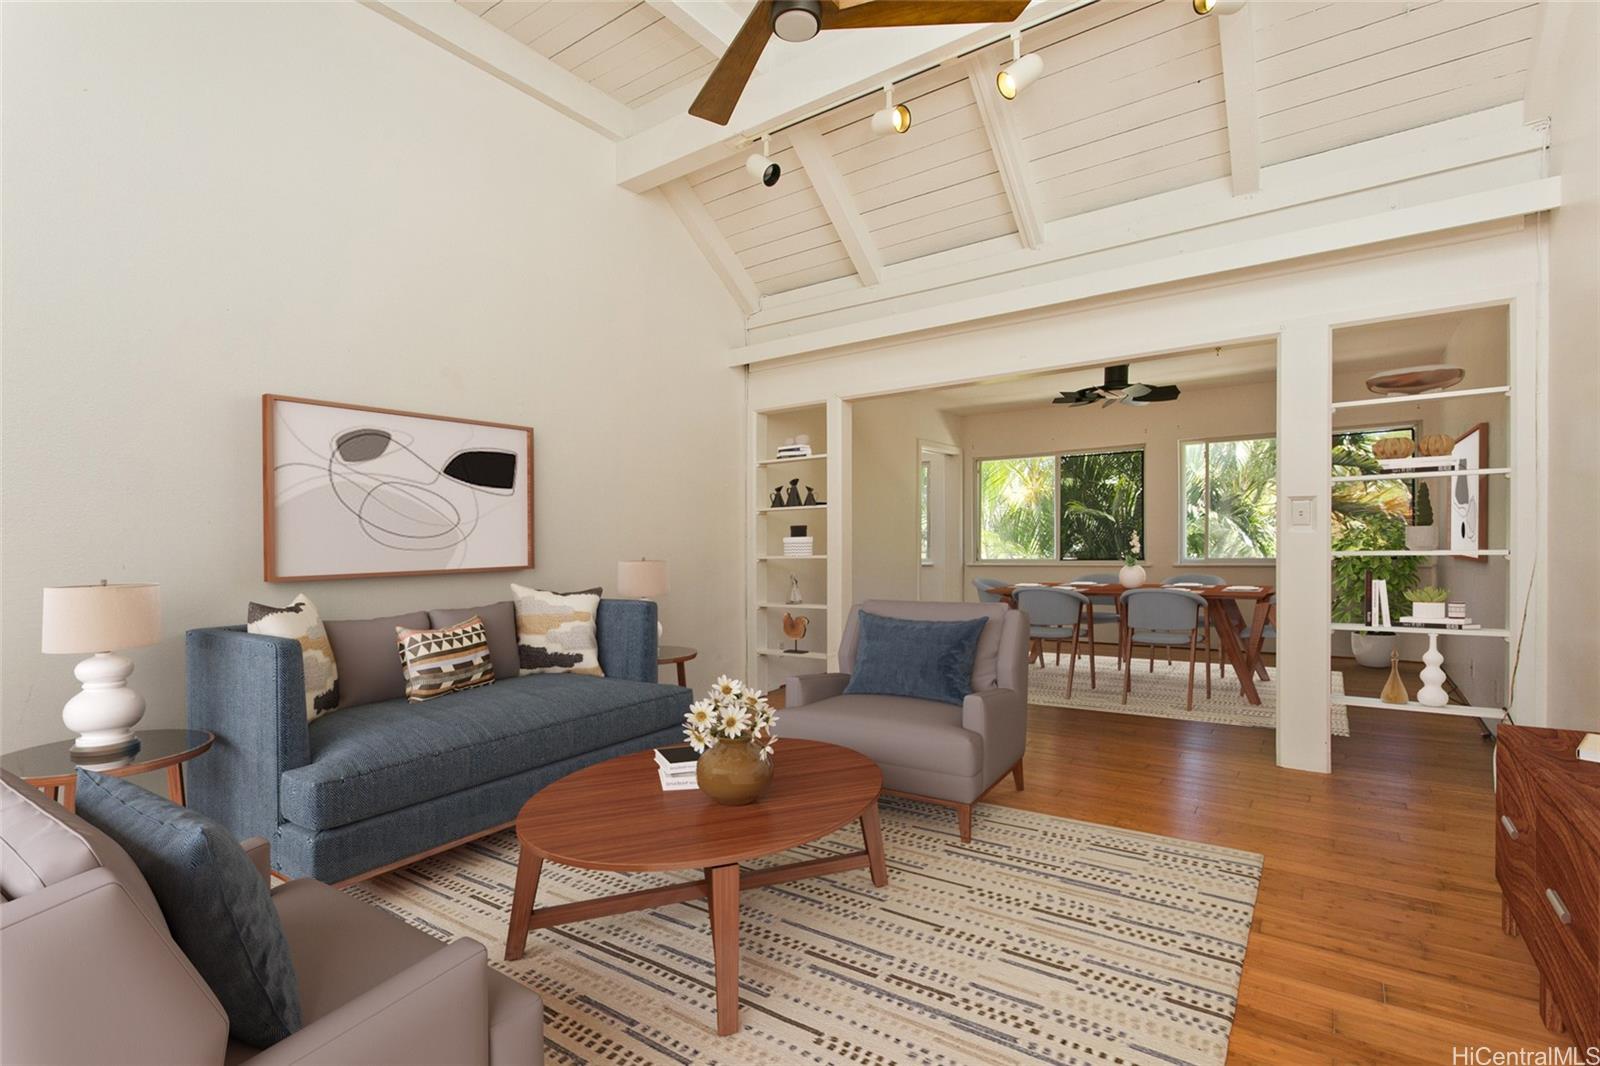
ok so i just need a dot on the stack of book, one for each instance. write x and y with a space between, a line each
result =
1438 623
676 767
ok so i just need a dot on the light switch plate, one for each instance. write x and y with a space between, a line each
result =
1302 512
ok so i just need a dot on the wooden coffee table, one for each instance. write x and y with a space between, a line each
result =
615 816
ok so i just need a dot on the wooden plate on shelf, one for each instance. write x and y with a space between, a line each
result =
1411 380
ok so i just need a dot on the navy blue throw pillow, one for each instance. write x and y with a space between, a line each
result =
919 659
215 901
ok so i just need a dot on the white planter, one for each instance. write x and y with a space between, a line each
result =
1430 611
1372 649
1131 577
1422 538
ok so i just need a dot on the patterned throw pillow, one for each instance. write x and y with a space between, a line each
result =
437 661
300 621
556 633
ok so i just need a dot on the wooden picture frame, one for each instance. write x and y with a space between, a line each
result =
434 483
1477 487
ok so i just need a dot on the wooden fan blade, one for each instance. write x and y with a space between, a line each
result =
721 92
842 15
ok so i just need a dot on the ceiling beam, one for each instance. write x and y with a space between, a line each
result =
1238 33
1539 97
995 114
457 30
713 245
838 203
710 24
810 78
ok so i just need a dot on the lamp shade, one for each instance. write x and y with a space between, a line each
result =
641 578
80 619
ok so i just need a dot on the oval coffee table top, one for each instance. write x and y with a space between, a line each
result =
615 816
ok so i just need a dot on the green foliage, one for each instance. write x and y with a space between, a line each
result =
1382 533
1102 504
1016 508
1421 507
1233 514
1429 594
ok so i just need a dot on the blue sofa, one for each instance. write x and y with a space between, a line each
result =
369 786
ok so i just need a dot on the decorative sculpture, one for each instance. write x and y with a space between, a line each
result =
794 627
777 496
794 590
1394 690
811 497
793 499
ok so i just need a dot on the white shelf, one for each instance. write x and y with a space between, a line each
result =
786 510
792 606
786 558
1448 394
1353 627
1397 553
792 459
1401 475
779 653
1459 709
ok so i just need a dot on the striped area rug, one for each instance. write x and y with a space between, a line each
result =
1161 694
1044 940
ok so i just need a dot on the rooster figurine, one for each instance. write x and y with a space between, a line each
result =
794 627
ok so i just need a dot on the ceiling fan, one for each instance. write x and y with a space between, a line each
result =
801 20
1116 389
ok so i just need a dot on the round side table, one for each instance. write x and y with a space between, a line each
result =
677 655
55 766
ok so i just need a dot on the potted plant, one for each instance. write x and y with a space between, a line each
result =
732 731
1421 534
1371 647
1427 603
1132 575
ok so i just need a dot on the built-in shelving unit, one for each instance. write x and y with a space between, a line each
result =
1417 475
1423 397
1460 709
771 571
1454 631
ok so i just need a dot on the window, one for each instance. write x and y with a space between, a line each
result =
922 504
1230 495
1049 507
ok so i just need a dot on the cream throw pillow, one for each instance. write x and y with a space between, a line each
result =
300 622
556 633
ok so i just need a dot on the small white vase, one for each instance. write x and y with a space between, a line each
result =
1131 577
1433 612
1432 693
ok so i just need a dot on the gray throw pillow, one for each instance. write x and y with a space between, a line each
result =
913 658
499 621
215 901
369 657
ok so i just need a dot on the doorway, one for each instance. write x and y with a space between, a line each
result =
939 521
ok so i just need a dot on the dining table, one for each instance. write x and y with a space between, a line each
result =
1224 612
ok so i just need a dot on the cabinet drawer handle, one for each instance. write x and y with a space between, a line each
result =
1511 827
1559 907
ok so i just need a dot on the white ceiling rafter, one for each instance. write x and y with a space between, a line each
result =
459 31
708 23
713 245
1238 33
1007 149
1542 67
838 202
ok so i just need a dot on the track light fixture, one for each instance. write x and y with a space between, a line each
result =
1217 7
894 118
1023 70
761 166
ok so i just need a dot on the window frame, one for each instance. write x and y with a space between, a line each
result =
1056 457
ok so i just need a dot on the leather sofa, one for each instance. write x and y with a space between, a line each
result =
371 787
92 975
937 752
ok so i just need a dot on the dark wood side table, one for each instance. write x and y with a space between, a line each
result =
679 655
55 766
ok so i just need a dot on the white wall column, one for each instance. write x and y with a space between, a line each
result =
1305 427
840 531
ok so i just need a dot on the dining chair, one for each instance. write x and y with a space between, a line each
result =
1056 614
1105 607
1161 617
984 585
1199 579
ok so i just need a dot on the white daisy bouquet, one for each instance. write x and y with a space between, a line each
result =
730 711
1131 556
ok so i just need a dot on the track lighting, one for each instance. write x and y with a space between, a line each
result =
1217 7
761 166
1023 70
894 118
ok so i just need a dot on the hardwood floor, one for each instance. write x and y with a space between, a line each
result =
1377 931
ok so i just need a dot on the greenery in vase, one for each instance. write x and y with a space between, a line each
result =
1385 533
1429 594
730 711
1421 507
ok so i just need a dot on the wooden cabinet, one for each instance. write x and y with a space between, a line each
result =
1547 860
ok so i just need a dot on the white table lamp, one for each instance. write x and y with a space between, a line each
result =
642 579
101 619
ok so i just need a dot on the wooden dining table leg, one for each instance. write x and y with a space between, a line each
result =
1258 624
724 907
1225 622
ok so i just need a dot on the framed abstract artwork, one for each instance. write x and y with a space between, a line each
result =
1467 511
352 491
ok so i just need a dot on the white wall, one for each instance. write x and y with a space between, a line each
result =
1571 550
205 202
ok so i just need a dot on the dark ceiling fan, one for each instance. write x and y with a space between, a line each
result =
801 20
1116 389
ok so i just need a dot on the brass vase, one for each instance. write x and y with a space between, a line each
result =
733 773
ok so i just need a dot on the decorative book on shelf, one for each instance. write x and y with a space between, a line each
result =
1437 623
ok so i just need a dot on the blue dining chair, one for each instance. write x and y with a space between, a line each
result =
1162 617
1199 579
983 585
1105 607
1056 615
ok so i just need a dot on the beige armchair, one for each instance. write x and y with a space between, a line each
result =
931 751
91 974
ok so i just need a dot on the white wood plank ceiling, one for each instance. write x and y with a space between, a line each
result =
1134 102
